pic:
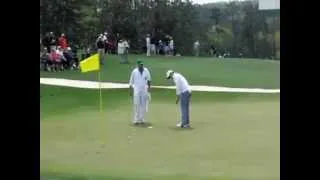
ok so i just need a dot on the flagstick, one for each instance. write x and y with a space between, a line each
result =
103 140
100 89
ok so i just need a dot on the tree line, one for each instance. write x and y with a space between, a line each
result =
238 28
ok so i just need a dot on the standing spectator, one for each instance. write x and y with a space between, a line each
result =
100 45
213 50
126 51
117 41
160 47
46 42
153 45
171 46
123 51
148 44
52 41
105 40
166 44
105 36
62 42
196 47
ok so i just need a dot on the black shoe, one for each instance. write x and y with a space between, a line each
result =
185 126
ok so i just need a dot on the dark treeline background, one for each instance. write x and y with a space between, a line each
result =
231 26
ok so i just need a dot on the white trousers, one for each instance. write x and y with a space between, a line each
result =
140 102
148 50
153 49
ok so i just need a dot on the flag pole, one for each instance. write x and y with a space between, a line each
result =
100 93
102 143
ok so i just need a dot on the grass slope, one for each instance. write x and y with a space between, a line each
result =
235 136
242 73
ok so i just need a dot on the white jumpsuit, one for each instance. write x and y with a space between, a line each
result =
139 82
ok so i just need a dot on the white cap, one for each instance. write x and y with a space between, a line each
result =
169 73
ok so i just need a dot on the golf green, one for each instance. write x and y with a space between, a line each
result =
234 136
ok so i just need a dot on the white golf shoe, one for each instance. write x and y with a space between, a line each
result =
179 124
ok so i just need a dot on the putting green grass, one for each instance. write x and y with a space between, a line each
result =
234 136
241 73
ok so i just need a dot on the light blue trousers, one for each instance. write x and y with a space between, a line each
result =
184 106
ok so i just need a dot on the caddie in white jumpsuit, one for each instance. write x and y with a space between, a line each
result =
140 82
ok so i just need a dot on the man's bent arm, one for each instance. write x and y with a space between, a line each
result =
178 99
131 84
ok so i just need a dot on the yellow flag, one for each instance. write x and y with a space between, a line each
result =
92 63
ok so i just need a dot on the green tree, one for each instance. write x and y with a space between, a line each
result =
221 37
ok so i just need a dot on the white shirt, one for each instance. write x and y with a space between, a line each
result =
196 44
148 41
171 43
126 44
104 38
122 47
139 81
181 83
59 52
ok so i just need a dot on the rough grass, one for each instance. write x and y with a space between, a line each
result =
242 73
235 136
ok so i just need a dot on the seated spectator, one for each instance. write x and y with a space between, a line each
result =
55 59
75 63
45 62
88 52
67 54
64 63
71 60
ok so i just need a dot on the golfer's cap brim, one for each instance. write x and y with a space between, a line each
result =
139 62
168 74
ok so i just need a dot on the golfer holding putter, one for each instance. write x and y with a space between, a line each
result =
183 95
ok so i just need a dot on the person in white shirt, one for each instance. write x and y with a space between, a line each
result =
100 46
171 46
126 51
140 83
148 44
123 46
196 47
183 92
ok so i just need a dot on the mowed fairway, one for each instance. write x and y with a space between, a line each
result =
240 73
235 136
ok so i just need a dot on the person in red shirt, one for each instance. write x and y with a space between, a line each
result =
62 42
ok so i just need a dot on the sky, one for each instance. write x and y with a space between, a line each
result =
207 1
263 4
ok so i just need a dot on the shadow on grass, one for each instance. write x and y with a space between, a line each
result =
64 176
144 125
181 129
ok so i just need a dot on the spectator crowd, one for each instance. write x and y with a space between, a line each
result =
57 55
